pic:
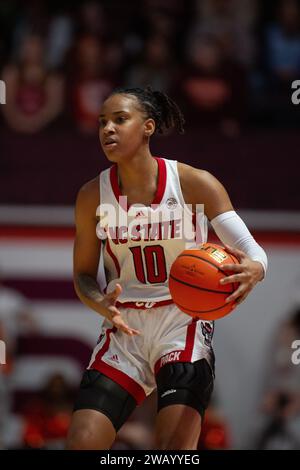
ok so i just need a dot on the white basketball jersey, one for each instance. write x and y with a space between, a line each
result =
141 243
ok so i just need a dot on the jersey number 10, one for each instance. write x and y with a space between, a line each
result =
150 264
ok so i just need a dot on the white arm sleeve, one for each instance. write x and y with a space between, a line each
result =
231 230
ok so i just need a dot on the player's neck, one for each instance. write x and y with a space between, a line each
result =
140 171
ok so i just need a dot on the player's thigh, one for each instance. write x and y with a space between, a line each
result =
102 406
90 430
178 427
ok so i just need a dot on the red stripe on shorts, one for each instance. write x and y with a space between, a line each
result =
190 341
116 375
122 379
104 348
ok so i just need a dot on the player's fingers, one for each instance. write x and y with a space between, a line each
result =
241 299
130 331
236 294
119 323
234 278
114 312
115 293
236 268
116 318
135 332
118 288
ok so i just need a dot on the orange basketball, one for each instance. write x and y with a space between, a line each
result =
194 282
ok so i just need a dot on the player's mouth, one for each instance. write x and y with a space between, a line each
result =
110 143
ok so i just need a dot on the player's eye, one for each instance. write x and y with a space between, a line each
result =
102 122
120 119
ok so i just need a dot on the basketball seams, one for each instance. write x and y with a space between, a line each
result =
200 288
200 311
233 260
206 261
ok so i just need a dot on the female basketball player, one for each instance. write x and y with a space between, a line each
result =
146 341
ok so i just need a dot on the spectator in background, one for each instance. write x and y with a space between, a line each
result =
114 58
168 18
231 22
15 317
59 39
89 82
212 89
47 417
167 22
32 18
34 95
161 23
281 401
91 20
283 44
156 67
215 433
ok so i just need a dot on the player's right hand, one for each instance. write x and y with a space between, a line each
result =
111 312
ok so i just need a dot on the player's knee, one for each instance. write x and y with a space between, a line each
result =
177 441
80 439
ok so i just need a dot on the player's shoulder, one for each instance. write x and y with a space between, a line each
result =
187 171
192 178
89 194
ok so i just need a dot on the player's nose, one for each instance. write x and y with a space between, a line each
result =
108 128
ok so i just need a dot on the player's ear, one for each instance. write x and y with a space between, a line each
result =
149 126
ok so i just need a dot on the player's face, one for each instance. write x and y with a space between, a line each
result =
123 128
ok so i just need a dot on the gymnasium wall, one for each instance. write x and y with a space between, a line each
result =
257 168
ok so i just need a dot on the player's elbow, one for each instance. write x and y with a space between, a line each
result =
75 285
78 283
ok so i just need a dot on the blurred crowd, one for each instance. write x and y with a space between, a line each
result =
228 63
281 398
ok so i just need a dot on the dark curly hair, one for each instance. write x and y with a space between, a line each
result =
157 106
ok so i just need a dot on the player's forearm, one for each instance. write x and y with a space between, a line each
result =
231 230
88 291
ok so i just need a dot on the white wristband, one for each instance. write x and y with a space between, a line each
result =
231 230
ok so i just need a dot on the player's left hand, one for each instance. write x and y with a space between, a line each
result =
247 273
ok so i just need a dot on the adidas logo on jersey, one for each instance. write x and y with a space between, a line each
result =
114 358
140 214
171 357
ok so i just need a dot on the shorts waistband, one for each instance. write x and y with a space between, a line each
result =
144 305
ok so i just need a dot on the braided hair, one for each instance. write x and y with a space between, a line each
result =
157 106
